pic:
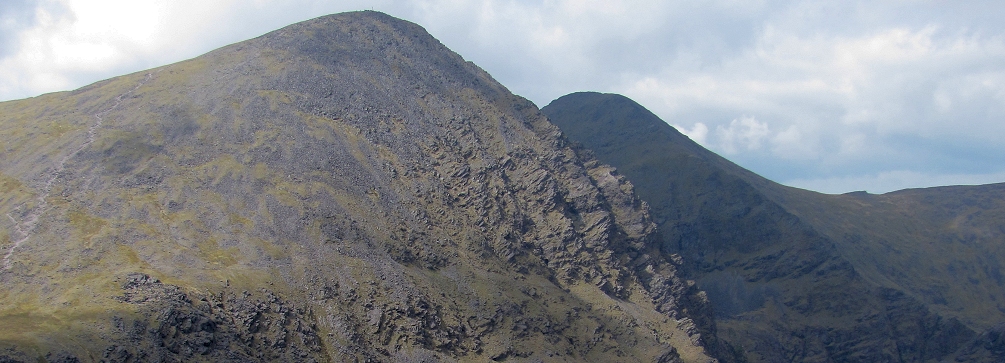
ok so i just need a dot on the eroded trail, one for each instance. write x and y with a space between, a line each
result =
23 229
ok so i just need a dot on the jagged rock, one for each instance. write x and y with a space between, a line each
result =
989 346
793 275
344 189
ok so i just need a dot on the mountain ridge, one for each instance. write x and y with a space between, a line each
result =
795 274
342 189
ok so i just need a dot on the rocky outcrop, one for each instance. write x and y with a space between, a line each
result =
230 326
798 276
989 346
343 189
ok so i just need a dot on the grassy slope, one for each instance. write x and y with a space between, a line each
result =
942 245
789 270
405 205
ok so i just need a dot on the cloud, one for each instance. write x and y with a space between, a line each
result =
70 43
73 41
698 133
15 15
543 50
743 134
794 90
793 144
833 100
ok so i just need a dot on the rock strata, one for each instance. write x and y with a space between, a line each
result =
344 189
793 275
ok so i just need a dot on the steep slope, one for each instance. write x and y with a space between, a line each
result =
800 276
944 245
342 189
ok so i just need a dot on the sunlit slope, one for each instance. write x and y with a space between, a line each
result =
800 275
343 189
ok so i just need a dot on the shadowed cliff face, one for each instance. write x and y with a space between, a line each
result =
799 276
343 189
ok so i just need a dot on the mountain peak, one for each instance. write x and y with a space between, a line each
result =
342 189
796 275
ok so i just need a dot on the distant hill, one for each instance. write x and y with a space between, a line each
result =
799 276
345 189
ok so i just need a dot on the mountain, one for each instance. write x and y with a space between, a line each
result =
344 189
794 275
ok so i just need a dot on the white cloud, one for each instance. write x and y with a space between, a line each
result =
792 144
838 87
743 134
845 101
75 42
698 133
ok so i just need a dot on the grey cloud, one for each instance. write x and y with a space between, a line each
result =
709 63
15 15
931 108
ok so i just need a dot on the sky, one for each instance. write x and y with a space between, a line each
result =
831 96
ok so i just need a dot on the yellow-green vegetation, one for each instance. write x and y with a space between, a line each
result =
84 226
346 189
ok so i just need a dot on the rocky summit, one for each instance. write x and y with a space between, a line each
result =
798 276
347 189
344 189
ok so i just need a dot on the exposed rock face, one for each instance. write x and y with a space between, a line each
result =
800 276
989 346
343 189
226 327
